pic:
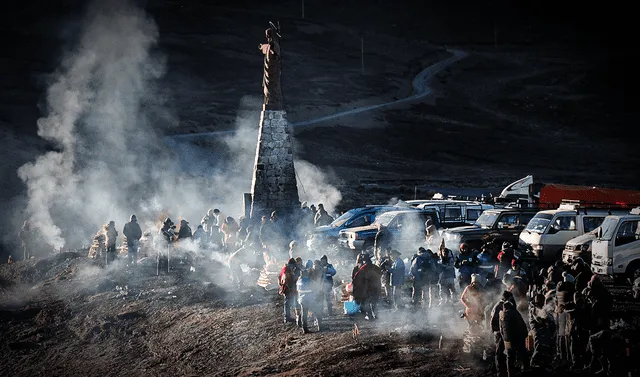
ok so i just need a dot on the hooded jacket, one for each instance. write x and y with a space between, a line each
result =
132 230
512 327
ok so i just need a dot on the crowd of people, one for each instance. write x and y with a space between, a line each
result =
535 316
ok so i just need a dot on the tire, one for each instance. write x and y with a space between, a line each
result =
631 270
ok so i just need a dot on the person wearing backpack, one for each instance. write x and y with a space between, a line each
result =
421 270
287 283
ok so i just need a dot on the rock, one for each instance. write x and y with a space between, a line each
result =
128 315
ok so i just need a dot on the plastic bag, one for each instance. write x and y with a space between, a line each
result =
351 307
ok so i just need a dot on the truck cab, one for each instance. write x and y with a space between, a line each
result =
493 225
616 249
548 231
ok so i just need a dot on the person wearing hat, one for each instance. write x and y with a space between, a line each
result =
133 233
328 271
421 270
185 230
505 258
543 328
396 279
514 333
494 325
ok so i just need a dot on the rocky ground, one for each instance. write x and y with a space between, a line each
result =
68 315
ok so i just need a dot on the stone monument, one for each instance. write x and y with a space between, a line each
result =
273 187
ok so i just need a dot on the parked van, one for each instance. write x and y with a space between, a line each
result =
548 231
616 249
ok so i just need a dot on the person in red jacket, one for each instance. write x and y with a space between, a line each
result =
287 282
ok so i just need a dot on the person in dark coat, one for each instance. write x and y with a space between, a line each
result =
494 325
578 329
601 302
396 279
446 276
185 230
514 333
374 288
505 258
133 233
543 329
421 270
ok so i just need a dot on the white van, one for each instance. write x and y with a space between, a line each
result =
548 231
616 249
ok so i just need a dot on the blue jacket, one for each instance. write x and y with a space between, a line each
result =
397 273
422 268
327 279
304 285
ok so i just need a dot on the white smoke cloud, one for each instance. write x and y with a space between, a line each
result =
105 117
314 186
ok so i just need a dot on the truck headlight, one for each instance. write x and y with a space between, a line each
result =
536 247
608 261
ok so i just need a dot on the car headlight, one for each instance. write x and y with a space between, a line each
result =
608 261
536 247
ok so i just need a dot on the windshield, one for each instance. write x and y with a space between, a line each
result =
384 219
539 223
486 220
342 219
609 227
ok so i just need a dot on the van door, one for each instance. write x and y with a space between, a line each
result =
626 245
562 229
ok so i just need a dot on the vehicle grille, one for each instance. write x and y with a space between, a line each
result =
571 247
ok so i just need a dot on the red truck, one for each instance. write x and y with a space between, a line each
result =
551 195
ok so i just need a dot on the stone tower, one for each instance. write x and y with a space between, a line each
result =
274 186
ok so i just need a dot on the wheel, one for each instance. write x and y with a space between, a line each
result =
632 270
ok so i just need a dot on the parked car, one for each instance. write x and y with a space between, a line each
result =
494 226
326 236
579 247
406 229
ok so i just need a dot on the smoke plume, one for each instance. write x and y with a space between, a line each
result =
106 113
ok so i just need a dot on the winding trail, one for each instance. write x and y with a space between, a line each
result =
420 86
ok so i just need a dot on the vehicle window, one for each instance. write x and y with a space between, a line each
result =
627 233
359 221
565 223
343 219
525 218
452 213
396 221
509 220
590 223
473 214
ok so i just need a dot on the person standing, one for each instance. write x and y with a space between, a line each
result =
328 271
287 282
111 235
133 233
514 334
396 277
494 324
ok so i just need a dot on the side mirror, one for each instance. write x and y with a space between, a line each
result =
599 233
500 225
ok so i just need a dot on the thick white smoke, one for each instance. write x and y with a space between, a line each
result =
105 117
